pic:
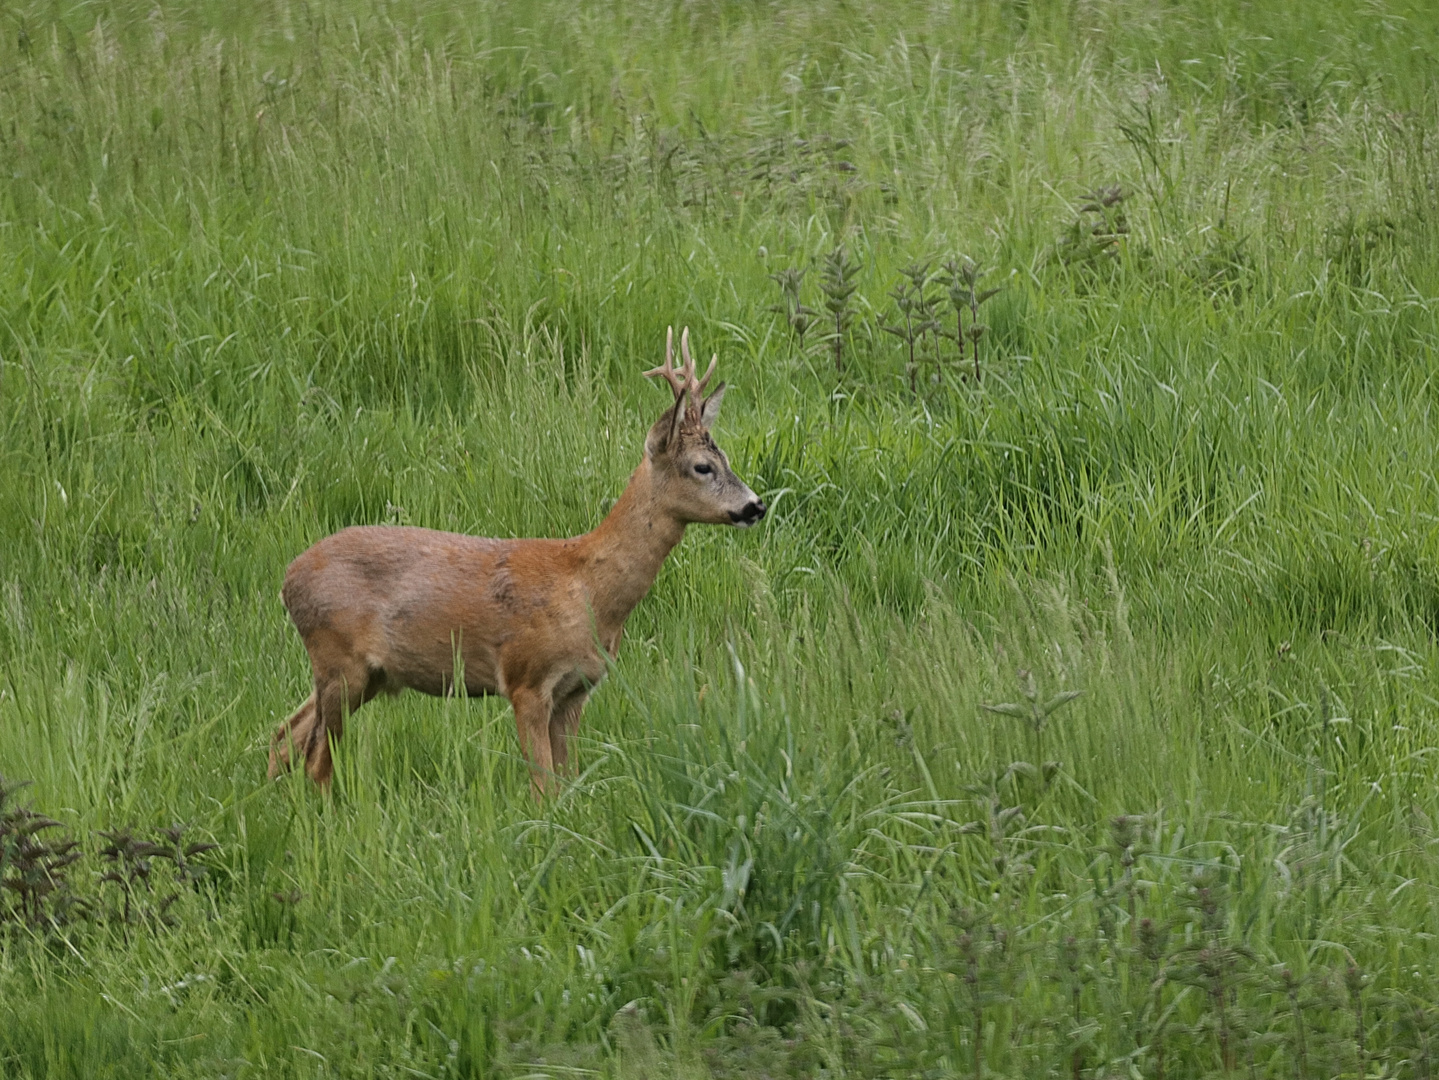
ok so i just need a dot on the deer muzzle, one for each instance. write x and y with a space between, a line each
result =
752 512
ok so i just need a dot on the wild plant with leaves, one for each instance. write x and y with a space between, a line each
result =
1034 714
40 873
1096 235
837 282
915 318
961 279
131 869
33 869
796 314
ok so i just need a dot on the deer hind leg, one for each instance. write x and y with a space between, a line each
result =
532 717
341 691
294 734
564 722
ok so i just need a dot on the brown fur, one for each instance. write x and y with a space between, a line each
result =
384 608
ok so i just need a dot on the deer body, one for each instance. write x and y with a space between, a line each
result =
383 609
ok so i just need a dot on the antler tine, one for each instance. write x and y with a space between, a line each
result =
672 375
705 381
689 366
696 388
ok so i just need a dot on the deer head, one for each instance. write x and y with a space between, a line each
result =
692 476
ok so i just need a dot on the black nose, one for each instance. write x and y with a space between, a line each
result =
749 515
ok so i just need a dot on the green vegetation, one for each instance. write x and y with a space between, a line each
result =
267 270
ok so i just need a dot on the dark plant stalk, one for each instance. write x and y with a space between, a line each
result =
909 340
1421 1028
971 977
1159 1031
1124 830
1354 983
837 283
1071 961
974 338
1152 945
959 334
1220 995
1301 1056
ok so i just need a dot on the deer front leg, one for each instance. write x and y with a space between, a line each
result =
532 718
564 722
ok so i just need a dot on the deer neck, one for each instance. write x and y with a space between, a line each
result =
625 552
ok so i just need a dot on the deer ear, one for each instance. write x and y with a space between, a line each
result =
709 412
658 440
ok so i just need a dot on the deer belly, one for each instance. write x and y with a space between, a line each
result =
442 682
436 662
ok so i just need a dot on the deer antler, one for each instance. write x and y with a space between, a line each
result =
682 379
697 389
672 375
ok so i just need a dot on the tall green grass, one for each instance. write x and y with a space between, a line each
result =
269 270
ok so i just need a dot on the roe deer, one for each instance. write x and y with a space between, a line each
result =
383 608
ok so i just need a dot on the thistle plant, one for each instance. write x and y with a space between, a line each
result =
182 855
914 306
37 872
131 862
1416 1025
130 866
33 868
796 314
977 968
1124 835
1072 972
961 277
1097 230
1035 715
1213 963
1154 948
1010 861
837 282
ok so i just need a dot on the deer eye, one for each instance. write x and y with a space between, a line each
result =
703 469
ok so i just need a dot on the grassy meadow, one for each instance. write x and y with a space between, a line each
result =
1079 720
